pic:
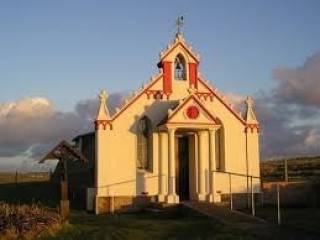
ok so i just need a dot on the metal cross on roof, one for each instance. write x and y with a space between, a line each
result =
179 24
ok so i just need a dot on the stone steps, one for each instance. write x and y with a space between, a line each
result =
223 214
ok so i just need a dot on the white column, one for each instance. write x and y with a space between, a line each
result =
201 166
212 197
172 196
163 166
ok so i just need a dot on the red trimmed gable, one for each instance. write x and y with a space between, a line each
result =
218 97
192 111
172 48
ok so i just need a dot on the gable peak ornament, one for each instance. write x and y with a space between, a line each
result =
250 115
103 96
103 113
179 24
249 102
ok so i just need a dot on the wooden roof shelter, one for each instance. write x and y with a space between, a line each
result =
64 151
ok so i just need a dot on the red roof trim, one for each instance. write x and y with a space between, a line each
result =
198 102
134 99
195 123
175 45
154 82
223 102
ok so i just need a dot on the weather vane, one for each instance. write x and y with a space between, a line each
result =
179 24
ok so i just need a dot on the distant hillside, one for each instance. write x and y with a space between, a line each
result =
299 169
12 177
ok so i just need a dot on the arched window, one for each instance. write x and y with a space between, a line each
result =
180 68
144 143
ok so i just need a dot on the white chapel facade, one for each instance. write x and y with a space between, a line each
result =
175 139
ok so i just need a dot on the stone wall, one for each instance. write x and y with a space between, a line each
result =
122 203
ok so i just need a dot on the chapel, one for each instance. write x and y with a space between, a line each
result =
175 139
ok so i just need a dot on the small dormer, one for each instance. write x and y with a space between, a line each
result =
180 66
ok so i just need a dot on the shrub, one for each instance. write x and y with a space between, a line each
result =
27 221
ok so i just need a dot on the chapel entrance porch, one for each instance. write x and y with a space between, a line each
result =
186 164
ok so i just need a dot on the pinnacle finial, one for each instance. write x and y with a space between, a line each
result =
103 112
103 96
249 102
250 115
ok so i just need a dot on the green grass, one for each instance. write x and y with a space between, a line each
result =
297 218
178 223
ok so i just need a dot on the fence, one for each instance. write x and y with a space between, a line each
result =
280 202
250 193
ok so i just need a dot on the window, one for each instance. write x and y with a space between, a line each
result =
144 143
220 157
180 68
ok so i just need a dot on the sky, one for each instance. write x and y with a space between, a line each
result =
57 55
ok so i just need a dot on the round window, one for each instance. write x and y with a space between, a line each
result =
192 112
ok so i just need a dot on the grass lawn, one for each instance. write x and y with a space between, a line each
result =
177 223
297 218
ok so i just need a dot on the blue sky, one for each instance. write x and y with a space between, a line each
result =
55 56
68 50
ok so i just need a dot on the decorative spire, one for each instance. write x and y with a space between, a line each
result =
250 115
103 113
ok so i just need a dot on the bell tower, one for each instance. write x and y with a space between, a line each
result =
179 63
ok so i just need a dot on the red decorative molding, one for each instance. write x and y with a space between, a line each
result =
156 94
167 77
223 102
215 120
252 127
192 112
193 74
205 95
135 98
103 123
193 123
185 48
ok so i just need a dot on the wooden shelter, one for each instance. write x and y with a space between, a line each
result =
64 152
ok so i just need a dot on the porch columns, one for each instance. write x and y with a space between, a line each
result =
163 166
172 196
212 197
201 166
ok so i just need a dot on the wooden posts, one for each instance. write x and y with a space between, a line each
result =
252 199
278 204
64 201
248 193
286 177
230 191
16 178
64 152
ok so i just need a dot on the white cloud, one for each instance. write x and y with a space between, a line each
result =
289 113
33 125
